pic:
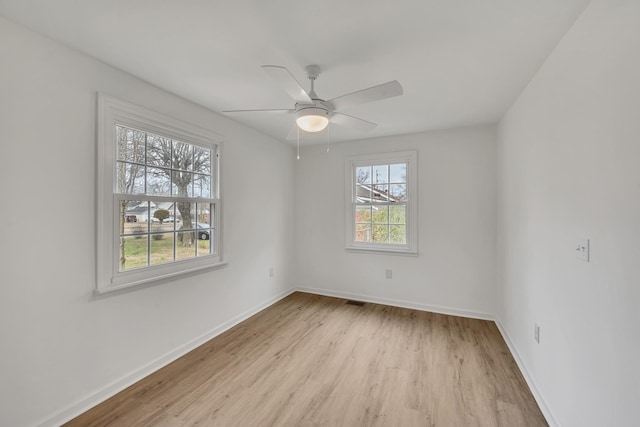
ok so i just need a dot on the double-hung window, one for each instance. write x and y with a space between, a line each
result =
381 200
158 197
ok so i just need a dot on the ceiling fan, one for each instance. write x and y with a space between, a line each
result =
313 113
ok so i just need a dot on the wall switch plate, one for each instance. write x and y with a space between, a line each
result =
536 333
271 272
388 274
582 249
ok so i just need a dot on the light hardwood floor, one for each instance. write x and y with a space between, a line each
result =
311 360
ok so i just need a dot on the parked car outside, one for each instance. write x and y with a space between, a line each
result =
201 228
203 234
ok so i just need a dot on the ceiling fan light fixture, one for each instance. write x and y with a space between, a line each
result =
312 119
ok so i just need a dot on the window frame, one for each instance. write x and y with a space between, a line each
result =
410 157
111 112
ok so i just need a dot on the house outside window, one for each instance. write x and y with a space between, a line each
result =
159 199
381 200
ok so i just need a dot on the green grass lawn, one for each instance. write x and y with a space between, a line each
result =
162 249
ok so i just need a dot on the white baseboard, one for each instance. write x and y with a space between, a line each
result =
527 377
400 303
117 386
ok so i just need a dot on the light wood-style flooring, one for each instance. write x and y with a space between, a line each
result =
312 360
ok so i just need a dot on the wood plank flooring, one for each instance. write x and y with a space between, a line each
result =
311 360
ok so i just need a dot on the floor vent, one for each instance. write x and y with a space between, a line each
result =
358 303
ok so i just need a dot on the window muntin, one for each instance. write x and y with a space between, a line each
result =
158 197
164 228
381 202
145 240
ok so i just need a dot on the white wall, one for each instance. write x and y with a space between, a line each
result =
569 161
455 269
62 349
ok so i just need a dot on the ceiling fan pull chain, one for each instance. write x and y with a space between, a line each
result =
328 139
298 142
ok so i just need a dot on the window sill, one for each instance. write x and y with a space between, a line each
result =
381 251
130 285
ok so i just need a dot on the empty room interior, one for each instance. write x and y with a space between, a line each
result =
339 213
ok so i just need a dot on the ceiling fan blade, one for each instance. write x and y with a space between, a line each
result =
272 111
350 121
375 93
288 82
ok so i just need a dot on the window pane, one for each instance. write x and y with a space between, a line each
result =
381 214
202 186
380 193
363 174
163 215
158 182
155 226
182 184
364 193
398 234
398 192
203 233
363 214
203 212
129 145
202 160
130 178
398 173
161 248
134 213
158 151
204 247
182 156
363 233
188 226
397 214
187 212
174 216
186 245
133 252
206 217
380 233
381 174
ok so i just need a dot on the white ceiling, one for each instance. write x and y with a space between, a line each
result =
460 62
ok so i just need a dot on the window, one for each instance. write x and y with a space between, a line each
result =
381 202
158 197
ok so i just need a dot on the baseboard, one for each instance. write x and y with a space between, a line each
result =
551 420
117 386
400 303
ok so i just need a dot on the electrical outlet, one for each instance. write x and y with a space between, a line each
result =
536 333
271 272
582 249
388 273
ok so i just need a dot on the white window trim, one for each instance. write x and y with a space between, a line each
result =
411 158
111 111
